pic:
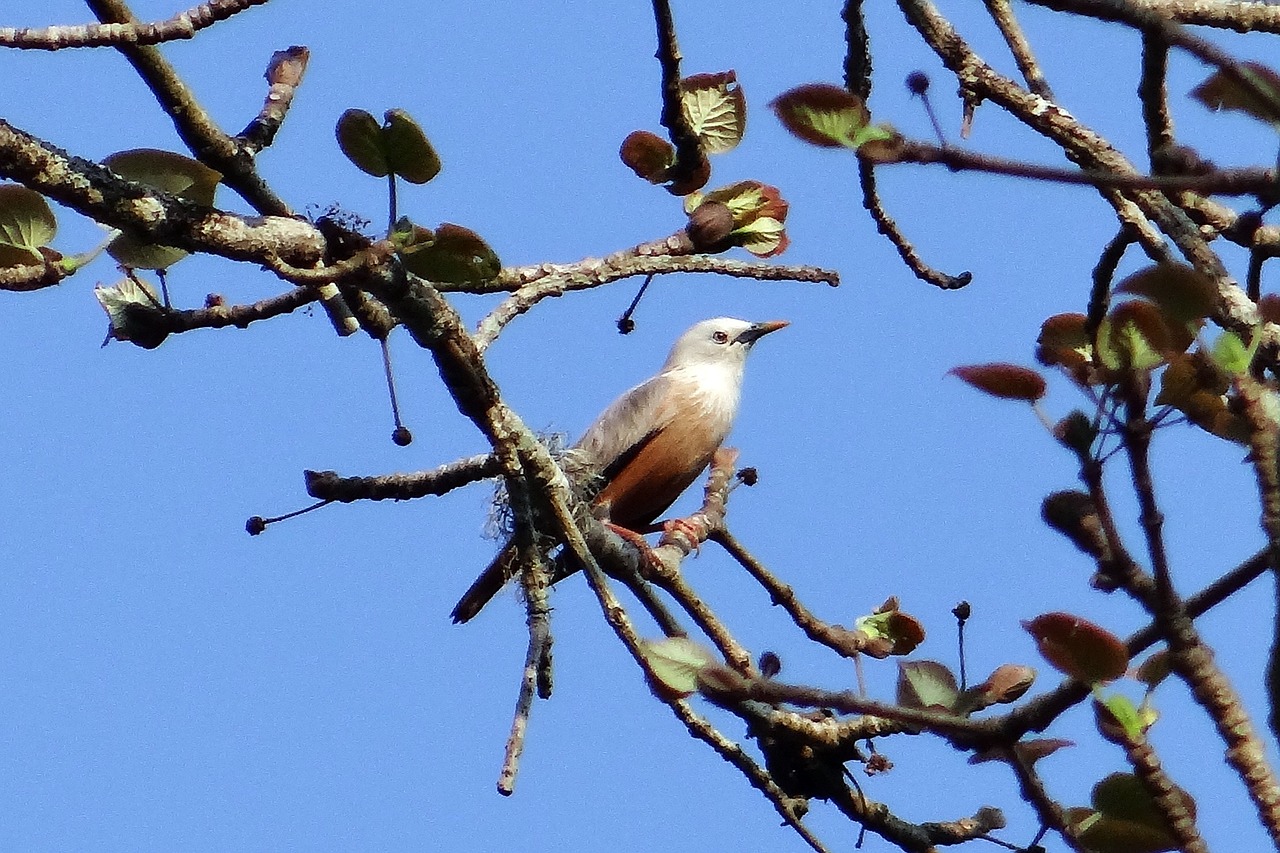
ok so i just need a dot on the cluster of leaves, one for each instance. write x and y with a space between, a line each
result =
715 110
399 148
28 226
1151 336
748 214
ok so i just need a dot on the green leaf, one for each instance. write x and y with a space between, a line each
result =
901 631
408 151
1134 336
927 685
715 109
675 663
398 145
133 308
172 173
1231 355
1117 710
453 254
823 114
164 170
26 224
1221 91
360 139
1078 648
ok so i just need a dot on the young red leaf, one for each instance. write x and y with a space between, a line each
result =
1078 648
648 155
1184 294
901 632
1007 381
822 114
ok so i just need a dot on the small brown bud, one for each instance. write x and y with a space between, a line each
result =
709 226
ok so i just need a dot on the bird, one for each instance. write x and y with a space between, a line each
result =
651 443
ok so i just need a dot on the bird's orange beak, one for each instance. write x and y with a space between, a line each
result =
756 331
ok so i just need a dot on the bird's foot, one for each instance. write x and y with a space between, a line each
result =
650 565
685 528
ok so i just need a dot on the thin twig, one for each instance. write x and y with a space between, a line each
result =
1245 181
689 154
328 485
284 76
195 126
1154 95
533 284
183 25
857 50
1002 13
841 640
886 226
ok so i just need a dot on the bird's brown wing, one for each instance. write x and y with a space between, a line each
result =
625 425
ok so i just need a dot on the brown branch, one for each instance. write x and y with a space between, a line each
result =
329 486
1038 714
681 539
1258 402
1166 796
1243 17
1141 208
841 640
284 76
195 126
1104 277
1154 96
887 227
1033 792
1189 656
183 25
1001 12
530 285
689 156
30 277
534 581
1244 181
151 214
857 50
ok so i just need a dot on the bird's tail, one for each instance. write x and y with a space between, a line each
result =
485 587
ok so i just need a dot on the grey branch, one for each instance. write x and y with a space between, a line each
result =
183 25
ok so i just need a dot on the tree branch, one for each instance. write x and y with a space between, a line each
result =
183 25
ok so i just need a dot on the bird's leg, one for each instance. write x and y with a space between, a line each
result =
685 528
650 565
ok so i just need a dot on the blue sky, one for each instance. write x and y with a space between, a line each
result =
167 681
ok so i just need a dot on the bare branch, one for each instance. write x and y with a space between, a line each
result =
689 154
530 285
183 25
886 226
159 217
328 486
284 76
1001 12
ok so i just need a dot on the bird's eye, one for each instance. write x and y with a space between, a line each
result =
720 337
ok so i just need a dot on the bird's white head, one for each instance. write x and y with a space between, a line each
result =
722 341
